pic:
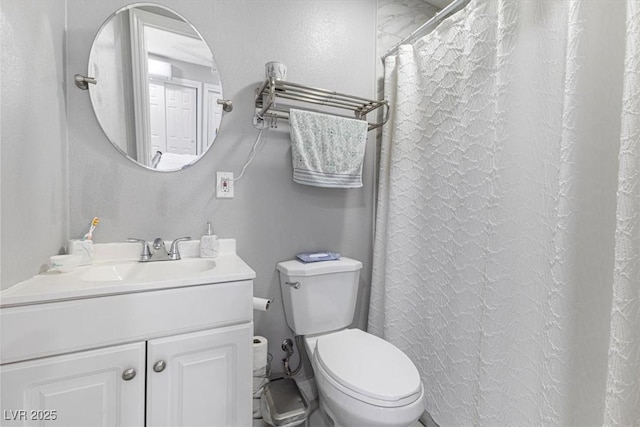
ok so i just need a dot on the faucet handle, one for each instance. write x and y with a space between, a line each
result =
174 253
146 252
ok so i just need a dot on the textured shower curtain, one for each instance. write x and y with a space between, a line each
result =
507 240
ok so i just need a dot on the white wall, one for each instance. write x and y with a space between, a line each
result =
34 137
59 170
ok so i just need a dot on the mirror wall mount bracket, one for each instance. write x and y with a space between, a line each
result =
227 105
83 82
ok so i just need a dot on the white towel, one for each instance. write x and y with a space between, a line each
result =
327 151
172 161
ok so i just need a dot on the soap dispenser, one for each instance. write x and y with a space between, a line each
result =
209 245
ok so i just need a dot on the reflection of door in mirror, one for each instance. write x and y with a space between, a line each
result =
212 113
169 109
173 119
157 112
181 119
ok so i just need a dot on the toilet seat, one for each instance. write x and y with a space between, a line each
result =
367 368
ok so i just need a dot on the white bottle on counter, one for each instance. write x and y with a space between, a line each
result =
209 245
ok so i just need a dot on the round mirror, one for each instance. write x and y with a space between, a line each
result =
157 87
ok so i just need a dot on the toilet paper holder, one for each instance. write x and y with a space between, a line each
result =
262 304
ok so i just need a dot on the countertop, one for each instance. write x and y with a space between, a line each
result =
56 286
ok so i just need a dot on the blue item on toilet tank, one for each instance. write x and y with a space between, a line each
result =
318 256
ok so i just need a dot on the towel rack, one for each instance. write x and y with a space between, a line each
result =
271 90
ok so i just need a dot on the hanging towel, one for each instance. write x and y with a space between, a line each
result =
171 161
327 151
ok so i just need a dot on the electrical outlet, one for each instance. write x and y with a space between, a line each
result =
224 185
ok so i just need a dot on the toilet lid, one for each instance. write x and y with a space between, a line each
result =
368 365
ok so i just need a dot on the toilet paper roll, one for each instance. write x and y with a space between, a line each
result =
259 354
261 304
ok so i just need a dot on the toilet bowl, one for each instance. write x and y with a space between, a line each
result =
365 381
362 380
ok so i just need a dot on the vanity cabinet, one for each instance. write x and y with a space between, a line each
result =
190 379
172 357
196 379
79 389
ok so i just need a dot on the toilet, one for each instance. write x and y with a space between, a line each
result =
362 380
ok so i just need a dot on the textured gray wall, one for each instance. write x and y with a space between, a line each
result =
59 170
34 138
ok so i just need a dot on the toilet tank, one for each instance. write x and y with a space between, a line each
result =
319 297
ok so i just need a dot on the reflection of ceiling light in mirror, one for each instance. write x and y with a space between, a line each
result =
176 46
159 68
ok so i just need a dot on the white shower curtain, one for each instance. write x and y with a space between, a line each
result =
507 249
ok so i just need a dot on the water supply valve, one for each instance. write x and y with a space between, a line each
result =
287 346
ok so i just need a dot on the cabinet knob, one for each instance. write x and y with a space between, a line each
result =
159 366
129 374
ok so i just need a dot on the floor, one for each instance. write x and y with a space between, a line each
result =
318 418
427 421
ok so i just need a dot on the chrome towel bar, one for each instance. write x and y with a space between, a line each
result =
269 94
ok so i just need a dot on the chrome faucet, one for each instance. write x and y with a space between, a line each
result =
159 252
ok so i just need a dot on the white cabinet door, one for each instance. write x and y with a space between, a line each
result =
206 380
80 389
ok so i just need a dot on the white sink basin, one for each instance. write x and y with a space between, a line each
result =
116 270
148 271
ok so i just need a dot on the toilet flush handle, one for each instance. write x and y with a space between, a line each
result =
294 285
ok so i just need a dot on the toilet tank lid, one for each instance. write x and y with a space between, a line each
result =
298 268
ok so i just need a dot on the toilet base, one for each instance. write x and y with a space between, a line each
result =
345 411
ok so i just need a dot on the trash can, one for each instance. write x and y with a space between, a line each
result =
283 405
